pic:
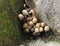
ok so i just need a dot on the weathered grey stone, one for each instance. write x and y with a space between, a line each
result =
42 43
48 10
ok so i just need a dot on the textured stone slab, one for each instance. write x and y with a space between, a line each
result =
42 43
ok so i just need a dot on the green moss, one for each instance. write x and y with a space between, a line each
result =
10 35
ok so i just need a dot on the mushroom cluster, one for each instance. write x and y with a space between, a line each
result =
31 23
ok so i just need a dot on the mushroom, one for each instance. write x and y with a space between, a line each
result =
32 29
25 25
34 20
31 12
42 24
38 25
31 23
25 5
29 27
24 12
26 30
20 16
29 18
36 31
41 29
46 28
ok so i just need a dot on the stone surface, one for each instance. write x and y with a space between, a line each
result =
48 10
42 43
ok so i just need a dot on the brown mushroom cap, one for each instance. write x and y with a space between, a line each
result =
20 16
25 25
46 28
34 20
38 25
31 23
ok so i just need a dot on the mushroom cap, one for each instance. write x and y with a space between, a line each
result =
36 30
29 18
20 16
24 12
41 29
31 23
32 29
34 20
38 25
26 30
42 24
46 28
25 5
31 11
25 25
